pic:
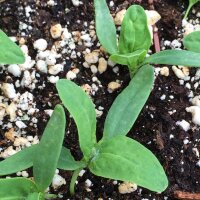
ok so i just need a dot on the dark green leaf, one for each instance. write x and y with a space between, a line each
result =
10 53
124 159
135 33
67 162
16 188
82 110
49 149
175 57
129 103
105 27
192 41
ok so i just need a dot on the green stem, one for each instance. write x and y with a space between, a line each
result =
188 10
73 181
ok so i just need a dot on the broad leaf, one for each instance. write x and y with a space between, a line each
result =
35 196
16 188
105 27
175 57
129 103
130 58
18 162
24 160
49 149
192 41
10 53
124 159
134 33
67 162
82 110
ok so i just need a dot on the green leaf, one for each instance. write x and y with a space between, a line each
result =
175 57
18 162
105 27
130 58
124 159
16 188
191 4
82 110
192 41
135 33
129 103
10 53
35 196
49 149
24 160
67 162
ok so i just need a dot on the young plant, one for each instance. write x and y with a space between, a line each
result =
44 157
10 53
115 156
135 40
192 41
191 4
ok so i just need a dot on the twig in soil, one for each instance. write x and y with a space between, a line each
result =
186 195
156 39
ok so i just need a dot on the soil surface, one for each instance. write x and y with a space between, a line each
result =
155 128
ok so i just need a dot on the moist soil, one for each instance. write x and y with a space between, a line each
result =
178 159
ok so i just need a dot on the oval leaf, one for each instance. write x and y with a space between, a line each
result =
129 103
10 53
192 41
16 188
49 149
175 57
105 27
134 33
82 110
124 159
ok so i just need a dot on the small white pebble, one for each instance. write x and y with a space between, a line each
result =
40 44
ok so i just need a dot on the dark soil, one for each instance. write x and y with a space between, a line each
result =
177 159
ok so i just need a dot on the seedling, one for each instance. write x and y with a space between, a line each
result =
44 158
192 41
191 4
115 156
10 53
135 40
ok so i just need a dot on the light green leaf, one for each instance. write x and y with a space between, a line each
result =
191 4
49 149
192 41
67 162
175 57
18 162
35 196
10 53
135 33
105 27
24 160
16 188
133 58
82 110
129 103
124 159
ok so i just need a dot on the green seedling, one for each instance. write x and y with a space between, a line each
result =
115 156
10 53
191 4
135 40
44 157
192 41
